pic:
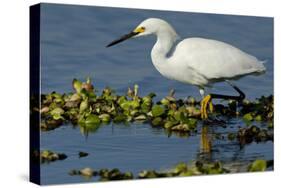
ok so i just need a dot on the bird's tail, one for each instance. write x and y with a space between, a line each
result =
260 66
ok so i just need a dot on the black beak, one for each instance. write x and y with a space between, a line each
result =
125 37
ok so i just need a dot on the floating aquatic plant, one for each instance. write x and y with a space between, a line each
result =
253 133
86 172
89 110
180 169
82 154
47 156
257 165
104 174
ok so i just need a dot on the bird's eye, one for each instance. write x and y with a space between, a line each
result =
140 29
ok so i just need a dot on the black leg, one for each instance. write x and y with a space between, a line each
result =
239 98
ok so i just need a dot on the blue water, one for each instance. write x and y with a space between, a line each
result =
73 40
138 147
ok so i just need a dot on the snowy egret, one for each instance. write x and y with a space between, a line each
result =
197 61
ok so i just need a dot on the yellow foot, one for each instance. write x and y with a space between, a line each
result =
207 101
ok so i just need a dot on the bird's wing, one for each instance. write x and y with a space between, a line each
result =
216 60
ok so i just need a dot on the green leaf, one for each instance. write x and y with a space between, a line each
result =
180 168
192 123
92 96
135 104
75 97
165 102
130 105
57 111
248 117
125 105
77 85
57 117
84 105
46 153
147 100
157 110
157 121
258 118
92 119
105 117
257 165
270 125
177 115
145 108
120 118
56 95
121 100
168 124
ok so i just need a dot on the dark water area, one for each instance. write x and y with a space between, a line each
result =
73 40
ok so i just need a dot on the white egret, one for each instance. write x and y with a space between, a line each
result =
197 61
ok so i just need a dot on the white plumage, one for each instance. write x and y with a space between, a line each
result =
197 61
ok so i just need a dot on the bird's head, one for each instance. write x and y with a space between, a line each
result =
149 26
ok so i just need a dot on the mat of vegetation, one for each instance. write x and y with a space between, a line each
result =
88 108
181 169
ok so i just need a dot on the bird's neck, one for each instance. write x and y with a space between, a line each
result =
161 49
